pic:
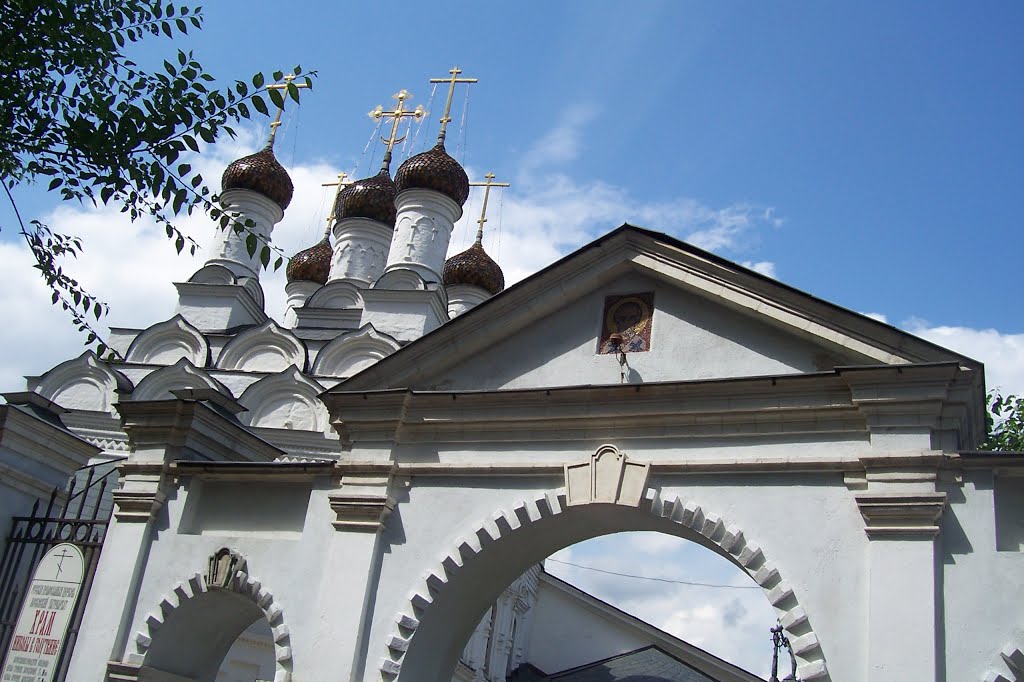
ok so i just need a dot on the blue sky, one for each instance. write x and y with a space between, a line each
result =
868 153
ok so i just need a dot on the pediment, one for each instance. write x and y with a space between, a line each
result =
709 319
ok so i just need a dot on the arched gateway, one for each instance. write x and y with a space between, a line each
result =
638 384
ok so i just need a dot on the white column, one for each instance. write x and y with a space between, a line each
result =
464 297
228 247
422 231
297 292
360 249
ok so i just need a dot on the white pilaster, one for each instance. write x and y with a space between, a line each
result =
903 531
360 249
422 231
228 247
298 293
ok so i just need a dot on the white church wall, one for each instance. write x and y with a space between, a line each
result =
982 586
781 513
691 338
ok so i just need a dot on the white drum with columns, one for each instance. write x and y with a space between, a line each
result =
424 227
228 247
360 249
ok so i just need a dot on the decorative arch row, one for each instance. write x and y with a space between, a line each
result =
729 539
285 398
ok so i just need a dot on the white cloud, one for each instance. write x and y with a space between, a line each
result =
765 267
1003 354
877 316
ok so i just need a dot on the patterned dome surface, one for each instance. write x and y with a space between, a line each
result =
372 198
473 266
260 172
434 169
312 264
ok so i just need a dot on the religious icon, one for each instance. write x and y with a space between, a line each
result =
626 323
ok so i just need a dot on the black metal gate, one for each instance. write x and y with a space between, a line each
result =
81 520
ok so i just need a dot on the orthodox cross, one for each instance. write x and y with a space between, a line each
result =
280 110
341 184
446 119
483 210
397 115
60 560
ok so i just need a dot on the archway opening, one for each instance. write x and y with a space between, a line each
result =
201 638
471 581
623 603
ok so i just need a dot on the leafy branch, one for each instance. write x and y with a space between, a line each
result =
78 114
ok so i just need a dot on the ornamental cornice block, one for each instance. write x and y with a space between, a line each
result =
607 476
137 505
366 513
901 515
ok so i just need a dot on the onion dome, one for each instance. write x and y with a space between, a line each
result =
260 172
435 170
372 198
473 266
312 264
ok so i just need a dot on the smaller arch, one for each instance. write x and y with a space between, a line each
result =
1010 666
353 352
286 400
267 348
195 588
182 374
167 342
84 383
339 295
402 279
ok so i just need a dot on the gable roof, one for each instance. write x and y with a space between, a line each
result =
629 249
648 664
663 640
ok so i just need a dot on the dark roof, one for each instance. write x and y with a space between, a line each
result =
649 664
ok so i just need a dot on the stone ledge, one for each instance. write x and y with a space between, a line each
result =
366 513
901 516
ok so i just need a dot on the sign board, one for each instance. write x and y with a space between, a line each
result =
45 616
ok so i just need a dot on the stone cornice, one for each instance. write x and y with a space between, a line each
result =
189 429
43 442
846 400
901 515
137 505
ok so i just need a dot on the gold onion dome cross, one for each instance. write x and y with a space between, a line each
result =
397 114
285 86
483 209
341 184
446 118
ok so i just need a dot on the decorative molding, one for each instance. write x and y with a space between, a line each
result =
165 343
137 505
84 383
267 348
361 512
606 476
223 565
182 374
901 515
286 400
729 540
353 352
122 672
195 587
338 295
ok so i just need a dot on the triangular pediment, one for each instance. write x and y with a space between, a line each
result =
709 319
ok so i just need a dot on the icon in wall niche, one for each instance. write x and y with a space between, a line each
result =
626 324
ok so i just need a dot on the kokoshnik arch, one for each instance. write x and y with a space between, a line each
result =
370 474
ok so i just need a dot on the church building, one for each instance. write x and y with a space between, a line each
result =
365 490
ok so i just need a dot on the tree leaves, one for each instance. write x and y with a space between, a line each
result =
1005 422
103 130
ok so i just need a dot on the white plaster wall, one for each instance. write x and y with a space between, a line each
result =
784 514
983 588
691 339
567 633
